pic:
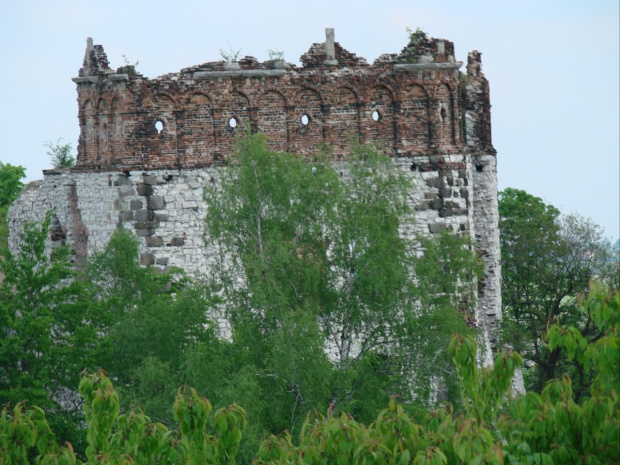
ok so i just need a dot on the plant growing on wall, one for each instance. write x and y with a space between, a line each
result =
275 55
415 37
128 67
230 55
60 154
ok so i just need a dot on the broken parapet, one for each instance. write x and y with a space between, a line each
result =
423 49
95 61
477 105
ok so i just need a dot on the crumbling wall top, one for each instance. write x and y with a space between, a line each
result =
95 60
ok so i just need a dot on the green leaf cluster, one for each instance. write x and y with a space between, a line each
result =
315 255
10 186
548 259
125 439
493 428
44 340
60 154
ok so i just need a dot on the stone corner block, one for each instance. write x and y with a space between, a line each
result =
143 215
147 259
156 202
436 227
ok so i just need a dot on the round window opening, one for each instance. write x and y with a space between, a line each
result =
159 125
232 122
376 116
305 120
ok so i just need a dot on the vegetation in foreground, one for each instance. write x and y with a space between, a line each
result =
542 428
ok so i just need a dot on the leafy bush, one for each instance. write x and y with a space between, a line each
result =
492 429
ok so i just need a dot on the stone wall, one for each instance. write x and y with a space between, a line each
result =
147 147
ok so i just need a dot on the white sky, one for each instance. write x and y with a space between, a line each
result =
553 66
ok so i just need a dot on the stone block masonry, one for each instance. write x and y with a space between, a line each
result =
148 146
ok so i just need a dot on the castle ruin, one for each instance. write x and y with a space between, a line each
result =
148 146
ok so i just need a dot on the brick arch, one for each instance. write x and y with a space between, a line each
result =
161 107
414 127
297 94
201 99
307 139
381 132
234 104
441 87
444 108
165 96
367 94
196 137
266 90
418 88
343 119
271 119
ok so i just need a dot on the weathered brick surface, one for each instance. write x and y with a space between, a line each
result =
408 104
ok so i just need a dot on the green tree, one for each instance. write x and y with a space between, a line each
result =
10 186
147 322
44 338
60 154
313 258
57 320
491 428
547 261
125 438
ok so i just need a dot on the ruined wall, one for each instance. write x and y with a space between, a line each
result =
148 146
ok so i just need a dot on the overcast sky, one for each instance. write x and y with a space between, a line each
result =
553 68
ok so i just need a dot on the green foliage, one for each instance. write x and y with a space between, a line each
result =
535 429
415 37
44 340
10 182
312 257
542 428
547 261
552 424
276 55
60 154
138 324
128 67
147 321
230 55
10 186
129 438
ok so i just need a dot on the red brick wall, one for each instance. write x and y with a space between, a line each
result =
419 102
